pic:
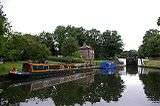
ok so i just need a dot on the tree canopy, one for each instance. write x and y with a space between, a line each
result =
4 29
106 44
158 21
4 25
151 44
69 46
23 47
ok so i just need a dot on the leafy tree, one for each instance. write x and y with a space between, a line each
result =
23 47
92 39
110 44
4 25
151 44
105 45
61 33
35 50
158 22
48 39
69 46
130 53
4 30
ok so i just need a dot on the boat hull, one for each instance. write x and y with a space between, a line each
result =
51 72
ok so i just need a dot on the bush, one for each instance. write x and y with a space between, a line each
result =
65 59
76 54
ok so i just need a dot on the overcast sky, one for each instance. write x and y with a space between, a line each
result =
131 18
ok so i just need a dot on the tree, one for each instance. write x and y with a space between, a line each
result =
24 47
4 30
131 57
130 53
158 21
69 46
4 25
151 44
92 39
61 33
48 39
110 44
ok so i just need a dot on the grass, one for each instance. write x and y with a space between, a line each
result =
152 63
98 62
6 67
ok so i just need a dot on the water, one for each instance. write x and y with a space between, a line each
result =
130 86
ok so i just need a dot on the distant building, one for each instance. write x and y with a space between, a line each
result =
87 53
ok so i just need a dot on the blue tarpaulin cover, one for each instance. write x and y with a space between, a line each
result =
108 67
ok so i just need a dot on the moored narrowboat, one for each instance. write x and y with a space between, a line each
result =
30 69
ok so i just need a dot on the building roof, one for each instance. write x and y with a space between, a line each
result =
85 46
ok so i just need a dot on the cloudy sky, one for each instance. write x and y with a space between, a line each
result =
131 18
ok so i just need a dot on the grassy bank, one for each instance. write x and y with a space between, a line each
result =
6 67
152 64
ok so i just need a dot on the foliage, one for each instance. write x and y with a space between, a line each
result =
158 21
93 39
151 44
23 47
69 46
4 25
76 54
63 34
131 57
48 39
106 44
130 53
110 44
68 39
4 30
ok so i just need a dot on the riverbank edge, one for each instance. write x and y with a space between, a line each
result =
145 66
151 63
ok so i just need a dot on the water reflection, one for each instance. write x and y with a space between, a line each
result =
151 81
68 90
133 70
108 71
130 86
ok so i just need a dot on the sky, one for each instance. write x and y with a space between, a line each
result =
131 18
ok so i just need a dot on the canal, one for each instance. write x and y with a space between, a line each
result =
131 86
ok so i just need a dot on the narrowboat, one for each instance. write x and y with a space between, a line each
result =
31 69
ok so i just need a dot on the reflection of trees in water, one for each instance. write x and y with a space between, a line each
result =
151 83
132 69
108 88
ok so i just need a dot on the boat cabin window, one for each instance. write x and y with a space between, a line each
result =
26 67
41 67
